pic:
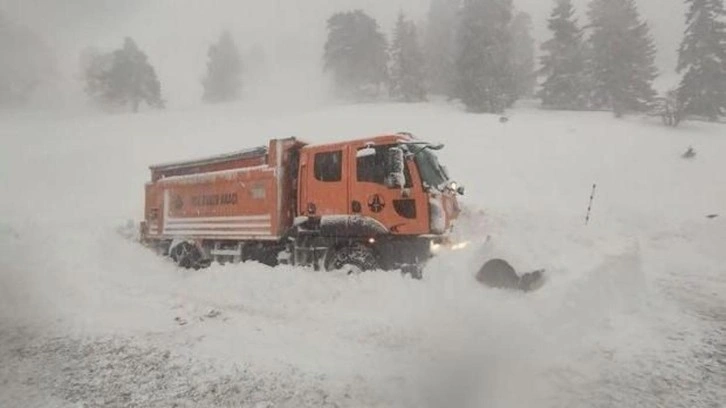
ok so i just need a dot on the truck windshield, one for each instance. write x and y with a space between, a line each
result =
431 171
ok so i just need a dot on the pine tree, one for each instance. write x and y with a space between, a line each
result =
564 63
440 47
123 77
356 54
702 56
224 70
484 76
623 57
95 66
525 78
407 63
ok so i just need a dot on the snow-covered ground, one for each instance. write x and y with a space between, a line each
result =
633 312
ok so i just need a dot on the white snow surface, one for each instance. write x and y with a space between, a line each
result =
633 312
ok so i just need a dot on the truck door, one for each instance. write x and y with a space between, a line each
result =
403 208
324 185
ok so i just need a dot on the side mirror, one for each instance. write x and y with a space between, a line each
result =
455 187
395 163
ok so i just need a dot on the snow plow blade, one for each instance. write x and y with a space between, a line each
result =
499 274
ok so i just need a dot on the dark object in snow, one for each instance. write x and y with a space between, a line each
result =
212 313
712 216
499 274
503 119
689 154
589 206
180 321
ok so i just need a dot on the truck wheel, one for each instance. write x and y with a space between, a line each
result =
186 255
416 271
352 260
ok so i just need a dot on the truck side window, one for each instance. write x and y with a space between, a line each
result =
329 166
372 168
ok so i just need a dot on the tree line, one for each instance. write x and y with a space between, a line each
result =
478 52
121 79
610 65
364 66
124 78
481 53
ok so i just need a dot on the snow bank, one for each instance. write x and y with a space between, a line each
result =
633 302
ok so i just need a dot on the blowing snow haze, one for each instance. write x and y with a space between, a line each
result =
245 203
282 40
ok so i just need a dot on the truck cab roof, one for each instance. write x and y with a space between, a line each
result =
384 139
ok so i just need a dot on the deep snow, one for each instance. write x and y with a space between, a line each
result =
633 312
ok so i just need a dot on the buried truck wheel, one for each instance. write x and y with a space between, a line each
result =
415 271
499 274
352 260
186 255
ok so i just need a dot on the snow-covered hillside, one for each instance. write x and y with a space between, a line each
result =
633 312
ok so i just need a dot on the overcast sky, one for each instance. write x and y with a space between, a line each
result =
176 33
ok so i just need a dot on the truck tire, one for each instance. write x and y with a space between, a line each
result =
416 271
186 255
354 259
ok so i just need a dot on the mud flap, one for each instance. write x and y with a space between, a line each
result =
499 274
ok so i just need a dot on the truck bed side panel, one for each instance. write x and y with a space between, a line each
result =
234 204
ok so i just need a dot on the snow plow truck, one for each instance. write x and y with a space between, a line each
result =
383 202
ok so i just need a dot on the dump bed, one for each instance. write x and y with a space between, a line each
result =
246 195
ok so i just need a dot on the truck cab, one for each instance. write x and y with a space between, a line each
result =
388 193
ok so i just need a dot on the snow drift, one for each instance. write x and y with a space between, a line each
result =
632 313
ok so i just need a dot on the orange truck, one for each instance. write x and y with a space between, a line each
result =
377 203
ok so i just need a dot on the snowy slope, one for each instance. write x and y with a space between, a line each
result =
633 313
